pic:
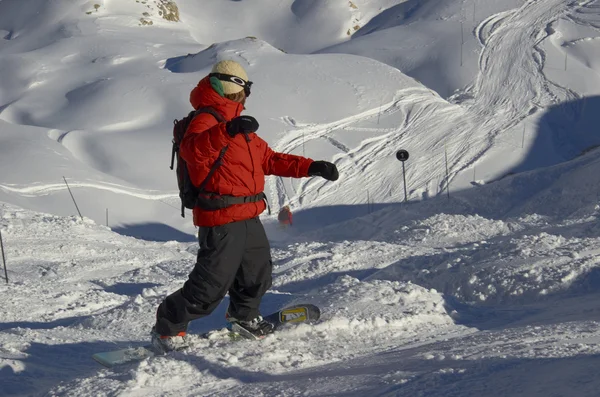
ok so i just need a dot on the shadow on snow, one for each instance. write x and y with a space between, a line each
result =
154 232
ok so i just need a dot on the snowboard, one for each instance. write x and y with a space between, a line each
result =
296 314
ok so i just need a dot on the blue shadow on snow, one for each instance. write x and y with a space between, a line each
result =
48 365
154 232
564 132
129 289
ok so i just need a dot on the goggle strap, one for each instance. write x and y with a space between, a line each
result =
231 79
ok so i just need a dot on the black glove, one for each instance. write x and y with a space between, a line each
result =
324 169
241 125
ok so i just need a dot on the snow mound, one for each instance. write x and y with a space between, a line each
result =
381 305
443 230
525 260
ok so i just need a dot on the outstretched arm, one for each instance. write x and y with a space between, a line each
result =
289 165
286 165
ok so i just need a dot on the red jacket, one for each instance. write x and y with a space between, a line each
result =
244 166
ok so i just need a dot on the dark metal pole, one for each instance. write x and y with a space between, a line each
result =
404 177
447 173
3 257
403 155
75 202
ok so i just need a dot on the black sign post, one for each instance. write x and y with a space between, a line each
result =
402 156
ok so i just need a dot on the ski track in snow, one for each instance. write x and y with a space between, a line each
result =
511 61
415 104
415 302
34 190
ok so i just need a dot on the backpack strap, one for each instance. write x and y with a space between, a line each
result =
194 113
211 201
219 160
213 169
210 111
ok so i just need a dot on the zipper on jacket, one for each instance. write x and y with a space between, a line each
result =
248 140
251 159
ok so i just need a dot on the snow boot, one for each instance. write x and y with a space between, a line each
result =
164 344
256 328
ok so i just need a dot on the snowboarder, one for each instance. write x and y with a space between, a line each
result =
285 217
234 255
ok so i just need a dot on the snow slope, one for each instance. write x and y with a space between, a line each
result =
490 292
106 103
427 298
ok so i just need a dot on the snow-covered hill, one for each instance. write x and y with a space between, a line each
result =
489 292
423 298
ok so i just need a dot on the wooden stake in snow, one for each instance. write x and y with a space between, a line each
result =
75 202
3 257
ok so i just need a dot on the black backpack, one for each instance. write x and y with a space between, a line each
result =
187 191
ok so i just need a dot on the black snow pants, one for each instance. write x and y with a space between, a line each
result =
234 258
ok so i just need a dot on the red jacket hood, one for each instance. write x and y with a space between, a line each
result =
204 95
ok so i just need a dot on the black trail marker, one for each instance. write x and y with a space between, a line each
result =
402 155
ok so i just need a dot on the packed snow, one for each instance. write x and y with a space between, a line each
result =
485 282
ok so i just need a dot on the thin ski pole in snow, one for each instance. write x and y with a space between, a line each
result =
75 202
404 178
447 171
3 258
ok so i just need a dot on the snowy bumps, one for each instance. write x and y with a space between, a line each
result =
382 306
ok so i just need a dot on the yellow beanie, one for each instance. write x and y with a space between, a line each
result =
234 69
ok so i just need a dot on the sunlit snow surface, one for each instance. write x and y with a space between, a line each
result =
490 292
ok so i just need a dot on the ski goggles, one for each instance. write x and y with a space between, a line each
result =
235 80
